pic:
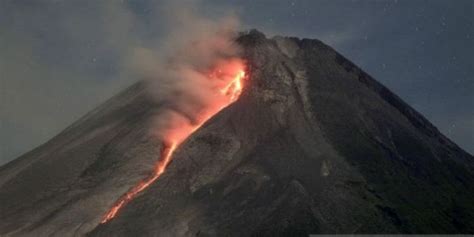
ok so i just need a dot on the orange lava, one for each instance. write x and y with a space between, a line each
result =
231 76
159 169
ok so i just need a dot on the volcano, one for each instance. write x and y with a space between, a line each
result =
313 145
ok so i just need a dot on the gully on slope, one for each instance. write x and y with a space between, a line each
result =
231 78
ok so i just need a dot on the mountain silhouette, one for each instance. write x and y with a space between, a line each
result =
313 145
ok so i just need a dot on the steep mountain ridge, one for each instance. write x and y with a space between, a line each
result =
313 145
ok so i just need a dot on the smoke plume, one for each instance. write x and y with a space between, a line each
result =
187 73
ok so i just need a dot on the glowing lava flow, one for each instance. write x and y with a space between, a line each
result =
159 169
229 93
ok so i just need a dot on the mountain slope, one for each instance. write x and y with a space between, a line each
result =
313 145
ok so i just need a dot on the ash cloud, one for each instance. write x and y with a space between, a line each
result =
84 52
177 72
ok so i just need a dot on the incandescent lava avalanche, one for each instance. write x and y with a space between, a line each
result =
313 145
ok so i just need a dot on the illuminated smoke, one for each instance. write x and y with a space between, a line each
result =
197 74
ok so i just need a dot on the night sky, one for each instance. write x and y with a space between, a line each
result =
60 59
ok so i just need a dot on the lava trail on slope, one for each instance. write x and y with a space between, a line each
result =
230 78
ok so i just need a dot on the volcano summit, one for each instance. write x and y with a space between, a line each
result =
312 145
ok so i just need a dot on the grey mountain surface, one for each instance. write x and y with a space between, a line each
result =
313 145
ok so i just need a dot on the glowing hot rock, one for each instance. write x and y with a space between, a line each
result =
227 80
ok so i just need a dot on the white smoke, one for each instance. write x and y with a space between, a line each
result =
177 73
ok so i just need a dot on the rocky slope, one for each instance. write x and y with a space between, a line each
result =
313 145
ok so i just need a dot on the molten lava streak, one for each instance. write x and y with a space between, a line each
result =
230 85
